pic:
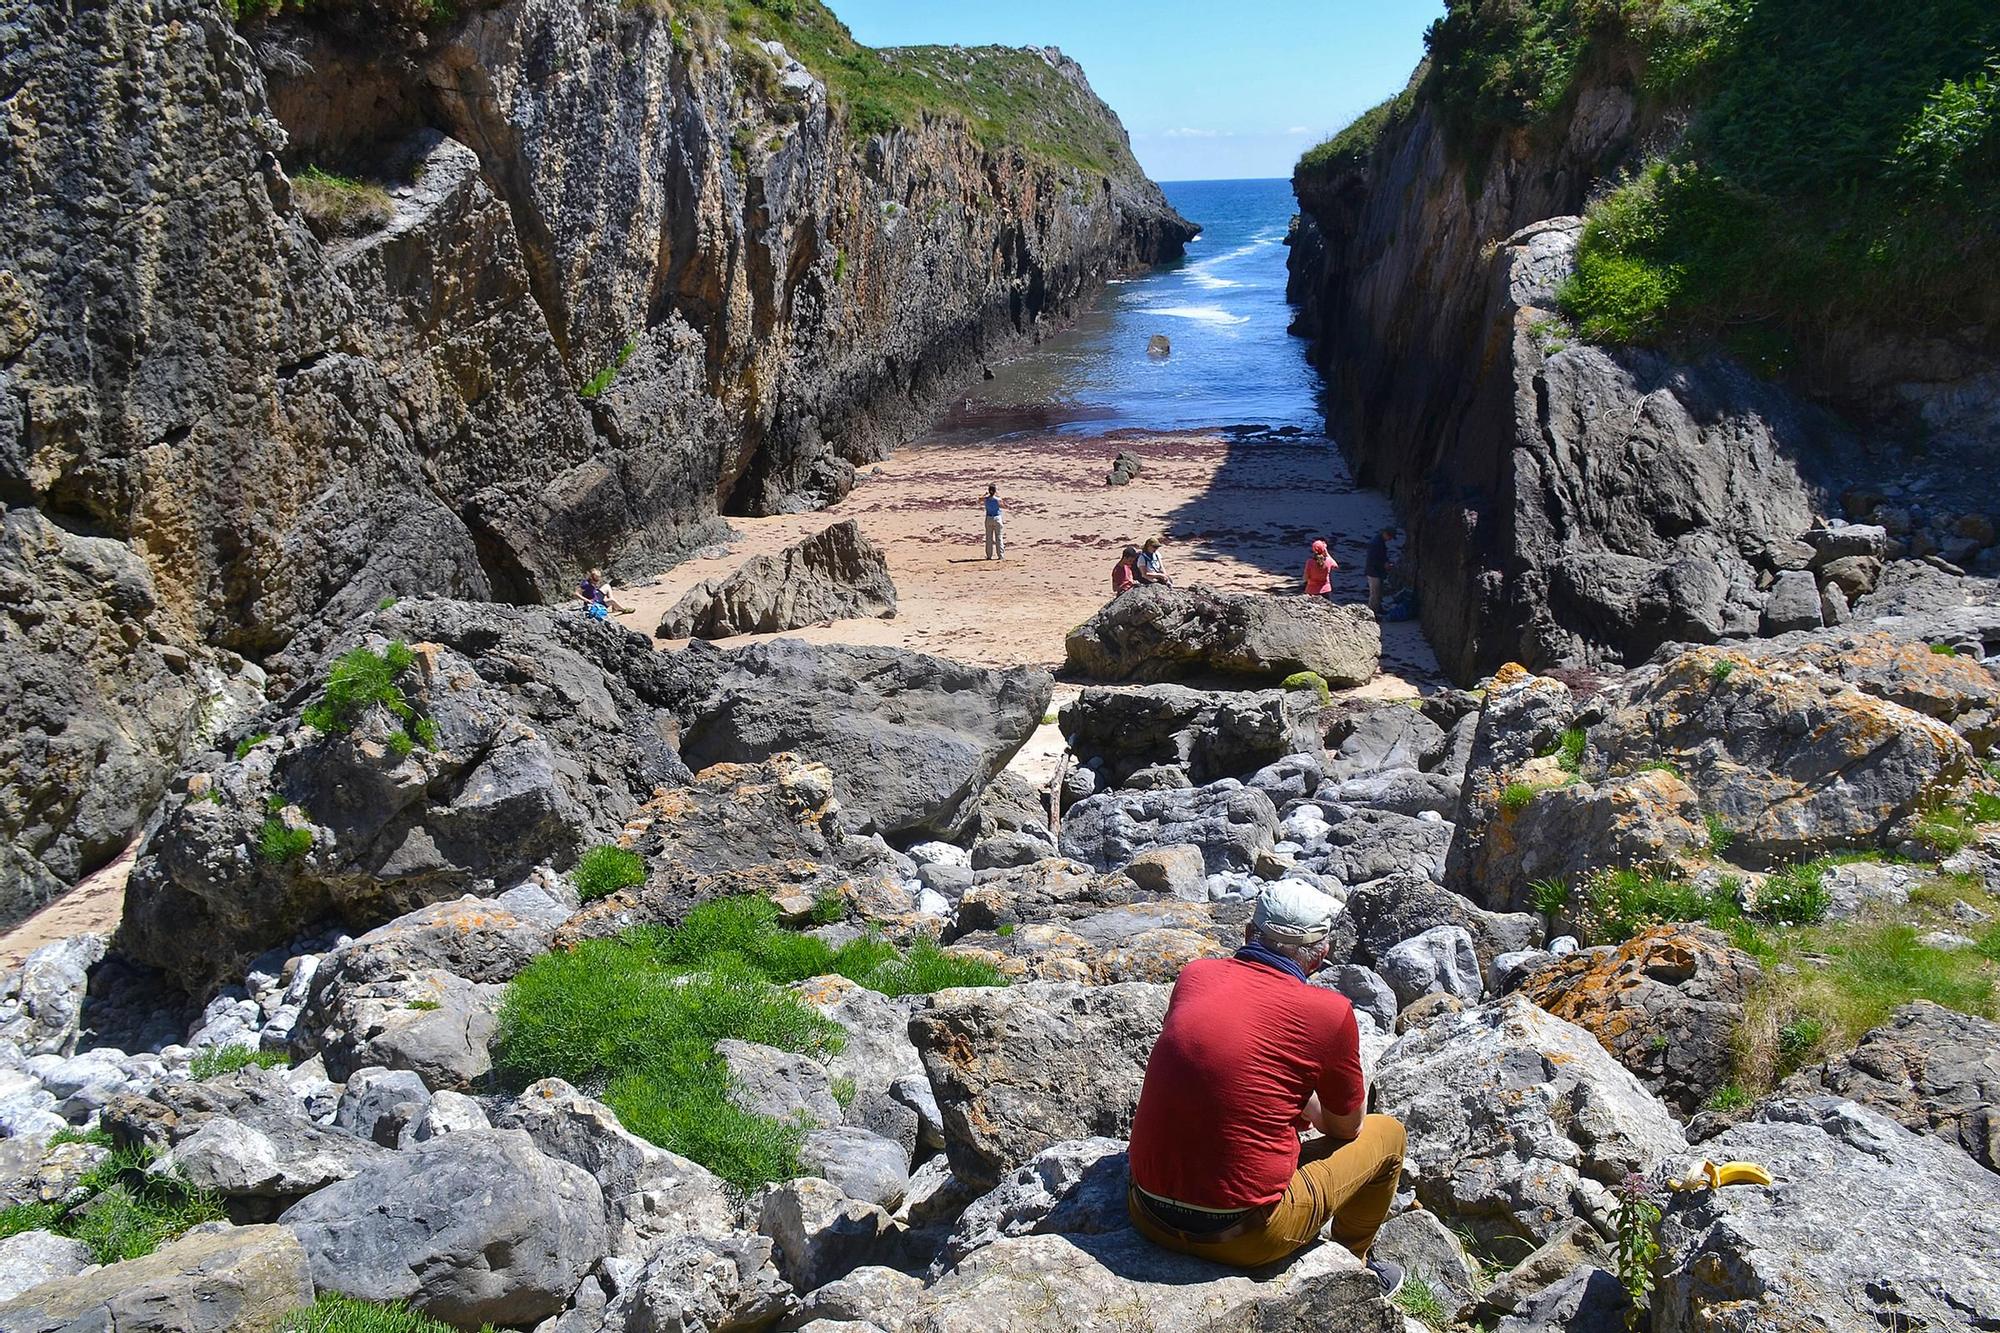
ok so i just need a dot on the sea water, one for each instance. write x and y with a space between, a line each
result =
1222 309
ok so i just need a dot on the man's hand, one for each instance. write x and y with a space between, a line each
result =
1342 1127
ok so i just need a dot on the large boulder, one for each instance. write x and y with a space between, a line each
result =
1522 717
1139 941
1869 1226
1208 733
1360 845
472 1228
1020 1068
369 1006
30 1258
1052 1246
218 1279
271 1161
1897 665
1228 821
1787 760
41 1002
1568 833
1517 1121
837 574
911 740
1388 911
1929 1068
1666 1003
1159 633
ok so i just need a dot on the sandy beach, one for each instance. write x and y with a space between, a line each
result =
1237 513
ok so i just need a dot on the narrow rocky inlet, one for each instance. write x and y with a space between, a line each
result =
531 799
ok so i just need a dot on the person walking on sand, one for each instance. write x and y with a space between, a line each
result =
996 537
1319 571
1148 569
1376 567
1125 574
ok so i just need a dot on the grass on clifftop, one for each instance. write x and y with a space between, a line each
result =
121 1212
1008 97
634 1020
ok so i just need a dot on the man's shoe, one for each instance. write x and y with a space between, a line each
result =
1390 1275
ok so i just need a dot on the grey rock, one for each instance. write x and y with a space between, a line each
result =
447 1112
1229 822
1173 871
1159 777
1518 1121
843 1305
725 1280
1570 833
1930 1069
1857 887
1574 1245
1399 791
1365 990
1512 968
471 1228
1587 1300
764 1080
1759 1256
45 995
820 1233
273 1160
1388 911
1834 540
948 882
1075 1188
1004 851
837 574
1155 633
30 1258
377 1104
475 938
1292 778
912 741
1794 603
1439 960
368 1010
1426 1249
1018 1069
1383 740
217 1279
1210 734
649 1193
1365 845
860 1164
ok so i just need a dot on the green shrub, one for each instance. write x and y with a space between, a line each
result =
1721 670
386 602
278 842
334 1313
1944 650
1352 145
1004 930
603 870
1795 895
18 1217
843 1091
1419 1300
1550 896
829 907
400 744
425 731
342 204
1569 750
1514 797
357 681
219 1060
1308 680
1618 904
251 742
1729 1097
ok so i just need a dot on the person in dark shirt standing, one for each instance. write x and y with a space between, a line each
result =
1376 568
1250 1054
996 538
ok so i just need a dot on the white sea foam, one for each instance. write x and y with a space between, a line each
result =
1210 281
1205 314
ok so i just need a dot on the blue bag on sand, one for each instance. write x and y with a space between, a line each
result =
1403 606
599 611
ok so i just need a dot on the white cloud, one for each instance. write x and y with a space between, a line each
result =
1298 129
1185 133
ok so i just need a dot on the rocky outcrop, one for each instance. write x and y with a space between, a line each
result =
1569 501
1159 633
837 575
580 317
219 1280
1757 1259
1666 1003
1208 734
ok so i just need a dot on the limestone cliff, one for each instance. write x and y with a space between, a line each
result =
297 318
1568 501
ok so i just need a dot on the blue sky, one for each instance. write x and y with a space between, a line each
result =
1209 91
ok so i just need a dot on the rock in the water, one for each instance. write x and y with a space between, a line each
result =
1158 633
1208 733
837 574
470 1228
1869 1226
1518 1121
216 1279
1228 822
1666 1003
1018 1069
1158 345
1931 1069
911 740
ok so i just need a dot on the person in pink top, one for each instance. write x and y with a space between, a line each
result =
1125 574
1319 571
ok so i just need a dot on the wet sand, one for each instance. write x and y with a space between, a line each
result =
1238 514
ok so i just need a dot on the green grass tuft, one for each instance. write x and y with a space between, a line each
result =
123 1212
251 742
1550 896
219 1060
602 871
601 381
1722 669
278 842
1420 1301
358 680
1795 895
1514 797
635 1020
1944 650
1308 680
334 1313
1731 1096
1720 835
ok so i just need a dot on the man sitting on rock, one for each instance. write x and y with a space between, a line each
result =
1249 1055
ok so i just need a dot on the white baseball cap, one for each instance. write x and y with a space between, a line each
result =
1294 912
